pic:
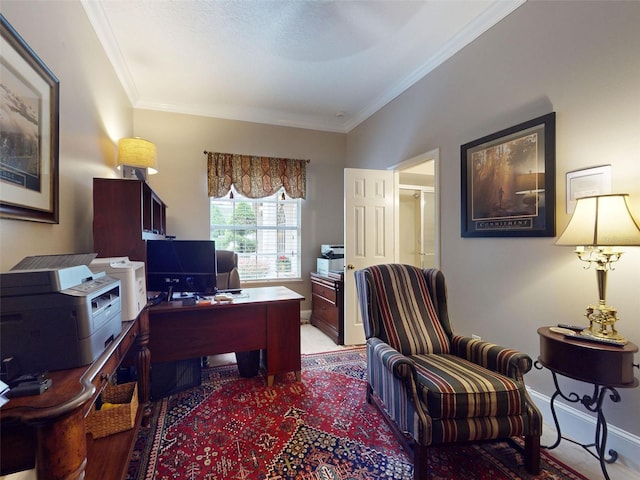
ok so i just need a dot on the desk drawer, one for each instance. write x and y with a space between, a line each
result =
325 311
323 291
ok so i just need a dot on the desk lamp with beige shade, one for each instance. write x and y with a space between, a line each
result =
137 157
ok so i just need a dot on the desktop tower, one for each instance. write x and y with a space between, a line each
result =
172 377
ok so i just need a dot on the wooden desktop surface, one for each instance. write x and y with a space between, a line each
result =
246 296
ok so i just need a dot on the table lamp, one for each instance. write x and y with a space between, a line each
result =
600 225
137 158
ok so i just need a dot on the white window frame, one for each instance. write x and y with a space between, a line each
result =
276 266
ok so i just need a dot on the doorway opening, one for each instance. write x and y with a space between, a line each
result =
417 207
417 211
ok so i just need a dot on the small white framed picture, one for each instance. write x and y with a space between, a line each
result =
587 182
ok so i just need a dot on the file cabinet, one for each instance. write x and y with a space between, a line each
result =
327 303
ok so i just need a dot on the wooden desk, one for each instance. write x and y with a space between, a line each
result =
48 430
607 367
266 318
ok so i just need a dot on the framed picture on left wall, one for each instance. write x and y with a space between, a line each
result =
29 129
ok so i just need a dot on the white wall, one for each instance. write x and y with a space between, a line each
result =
181 181
581 60
94 113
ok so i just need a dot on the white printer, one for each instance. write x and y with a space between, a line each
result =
134 282
332 259
57 317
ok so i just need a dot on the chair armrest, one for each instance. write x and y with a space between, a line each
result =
234 278
509 362
392 360
393 379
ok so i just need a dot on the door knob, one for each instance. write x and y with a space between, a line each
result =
350 267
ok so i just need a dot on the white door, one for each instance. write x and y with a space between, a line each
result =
368 235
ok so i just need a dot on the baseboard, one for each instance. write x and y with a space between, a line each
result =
581 427
305 316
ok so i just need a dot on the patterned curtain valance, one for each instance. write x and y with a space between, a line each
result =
255 177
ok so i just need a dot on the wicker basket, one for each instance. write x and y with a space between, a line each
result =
101 423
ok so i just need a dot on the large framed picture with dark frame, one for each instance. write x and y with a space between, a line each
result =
28 132
508 182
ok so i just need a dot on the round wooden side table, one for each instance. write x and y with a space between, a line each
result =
605 366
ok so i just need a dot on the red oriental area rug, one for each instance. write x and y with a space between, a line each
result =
321 428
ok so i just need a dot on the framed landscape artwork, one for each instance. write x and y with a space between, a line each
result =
508 182
28 132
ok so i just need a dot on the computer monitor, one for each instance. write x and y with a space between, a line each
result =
181 266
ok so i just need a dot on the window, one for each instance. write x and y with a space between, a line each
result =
264 232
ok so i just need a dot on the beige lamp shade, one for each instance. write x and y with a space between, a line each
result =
603 220
138 152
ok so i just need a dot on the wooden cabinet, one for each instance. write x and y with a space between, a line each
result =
125 214
327 303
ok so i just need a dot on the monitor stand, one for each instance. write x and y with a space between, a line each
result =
170 294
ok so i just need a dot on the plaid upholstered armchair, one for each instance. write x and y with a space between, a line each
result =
436 387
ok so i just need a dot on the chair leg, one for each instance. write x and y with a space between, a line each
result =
369 390
532 454
420 462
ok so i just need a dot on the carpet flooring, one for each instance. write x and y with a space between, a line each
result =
321 428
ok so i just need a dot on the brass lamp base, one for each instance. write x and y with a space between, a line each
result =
602 319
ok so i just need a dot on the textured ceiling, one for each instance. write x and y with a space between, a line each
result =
324 65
